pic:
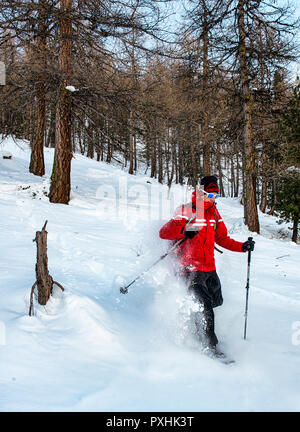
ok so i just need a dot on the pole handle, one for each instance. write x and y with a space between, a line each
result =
249 252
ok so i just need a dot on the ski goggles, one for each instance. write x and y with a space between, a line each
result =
210 194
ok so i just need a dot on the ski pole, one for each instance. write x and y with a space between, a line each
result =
124 290
247 289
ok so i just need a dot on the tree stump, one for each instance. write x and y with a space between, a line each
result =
44 281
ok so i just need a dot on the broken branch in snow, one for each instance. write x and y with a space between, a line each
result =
44 281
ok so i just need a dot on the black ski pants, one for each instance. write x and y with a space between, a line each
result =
206 288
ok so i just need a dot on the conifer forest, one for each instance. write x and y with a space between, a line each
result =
174 89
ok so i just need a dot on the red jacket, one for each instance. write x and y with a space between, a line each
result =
197 254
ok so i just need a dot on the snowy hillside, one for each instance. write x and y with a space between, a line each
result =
93 349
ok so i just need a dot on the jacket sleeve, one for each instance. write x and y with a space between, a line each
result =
174 229
223 239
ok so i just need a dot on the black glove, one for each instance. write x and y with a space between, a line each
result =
248 246
189 234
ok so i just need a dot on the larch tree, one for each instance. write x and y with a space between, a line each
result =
61 174
37 164
243 44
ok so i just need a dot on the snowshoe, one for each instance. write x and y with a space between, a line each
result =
214 353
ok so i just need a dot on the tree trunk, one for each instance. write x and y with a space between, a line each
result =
91 146
250 208
160 160
222 192
135 153
180 160
232 178
237 183
295 230
109 143
131 144
51 132
61 173
264 128
43 278
153 157
263 202
205 123
274 197
44 281
37 164
194 174
109 151
98 148
169 160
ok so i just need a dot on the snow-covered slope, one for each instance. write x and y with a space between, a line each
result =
93 349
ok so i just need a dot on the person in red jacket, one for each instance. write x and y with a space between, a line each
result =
201 225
